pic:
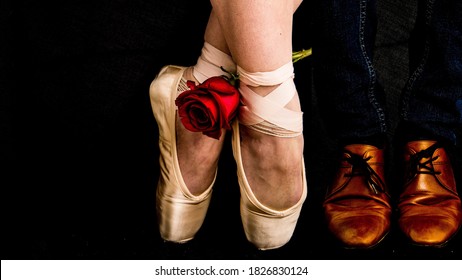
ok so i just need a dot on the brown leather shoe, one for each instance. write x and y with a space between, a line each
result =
357 206
429 207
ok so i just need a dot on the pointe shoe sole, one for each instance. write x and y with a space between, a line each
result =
180 214
264 227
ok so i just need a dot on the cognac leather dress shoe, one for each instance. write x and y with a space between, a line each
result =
429 207
357 206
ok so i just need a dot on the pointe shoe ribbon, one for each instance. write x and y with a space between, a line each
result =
268 113
180 214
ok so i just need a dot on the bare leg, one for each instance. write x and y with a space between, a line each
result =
259 36
198 154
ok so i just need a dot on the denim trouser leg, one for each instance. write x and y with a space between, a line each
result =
432 98
345 80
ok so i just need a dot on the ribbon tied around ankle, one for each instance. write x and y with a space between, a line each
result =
268 114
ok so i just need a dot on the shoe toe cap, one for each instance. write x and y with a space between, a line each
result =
360 231
432 231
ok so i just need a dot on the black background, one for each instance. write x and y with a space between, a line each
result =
79 141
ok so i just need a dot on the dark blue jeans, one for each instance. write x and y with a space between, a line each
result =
351 98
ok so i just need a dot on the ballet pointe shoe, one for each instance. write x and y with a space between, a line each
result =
264 227
180 214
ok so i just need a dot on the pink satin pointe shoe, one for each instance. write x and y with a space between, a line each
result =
264 227
180 214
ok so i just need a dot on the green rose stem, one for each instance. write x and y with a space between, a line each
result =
296 56
234 80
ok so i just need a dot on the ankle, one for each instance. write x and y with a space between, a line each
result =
211 63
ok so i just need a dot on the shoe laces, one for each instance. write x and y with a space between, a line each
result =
361 167
422 162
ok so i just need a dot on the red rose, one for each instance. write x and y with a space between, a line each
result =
208 107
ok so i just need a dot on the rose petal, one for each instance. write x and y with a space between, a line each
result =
199 113
228 105
199 117
214 134
209 106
